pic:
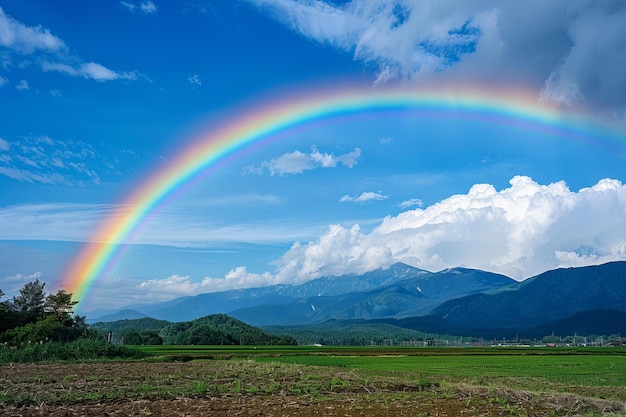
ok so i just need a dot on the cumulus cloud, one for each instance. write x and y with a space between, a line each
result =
183 285
486 41
519 231
364 197
49 52
297 162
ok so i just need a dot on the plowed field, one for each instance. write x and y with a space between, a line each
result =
246 388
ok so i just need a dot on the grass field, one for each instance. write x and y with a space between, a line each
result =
307 381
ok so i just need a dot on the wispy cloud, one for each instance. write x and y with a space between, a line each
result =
47 161
22 85
13 283
414 202
194 80
297 162
41 159
49 52
89 70
175 228
364 197
27 40
59 221
146 7
3 81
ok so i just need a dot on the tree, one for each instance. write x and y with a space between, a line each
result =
34 316
60 306
30 302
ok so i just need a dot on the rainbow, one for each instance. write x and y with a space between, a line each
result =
270 118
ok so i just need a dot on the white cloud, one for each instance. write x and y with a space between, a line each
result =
23 85
194 80
41 159
60 222
100 73
54 93
50 52
183 285
146 7
3 81
290 163
25 39
13 283
364 197
23 278
519 231
297 162
46 161
175 285
485 41
187 228
90 70
414 202
238 278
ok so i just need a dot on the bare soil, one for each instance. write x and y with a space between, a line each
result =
243 388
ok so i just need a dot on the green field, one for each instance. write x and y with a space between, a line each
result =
596 372
309 381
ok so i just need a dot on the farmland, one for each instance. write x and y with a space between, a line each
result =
307 381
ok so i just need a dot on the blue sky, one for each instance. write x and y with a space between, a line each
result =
95 96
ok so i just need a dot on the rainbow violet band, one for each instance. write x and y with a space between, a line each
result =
270 118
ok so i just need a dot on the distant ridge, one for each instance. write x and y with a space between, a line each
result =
548 297
457 301
400 290
126 314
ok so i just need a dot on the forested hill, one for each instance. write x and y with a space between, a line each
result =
219 329
216 329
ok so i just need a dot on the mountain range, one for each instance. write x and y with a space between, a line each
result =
456 301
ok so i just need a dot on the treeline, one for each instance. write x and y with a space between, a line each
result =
34 316
39 326
144 331
350 333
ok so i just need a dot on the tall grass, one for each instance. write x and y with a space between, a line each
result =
78 350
